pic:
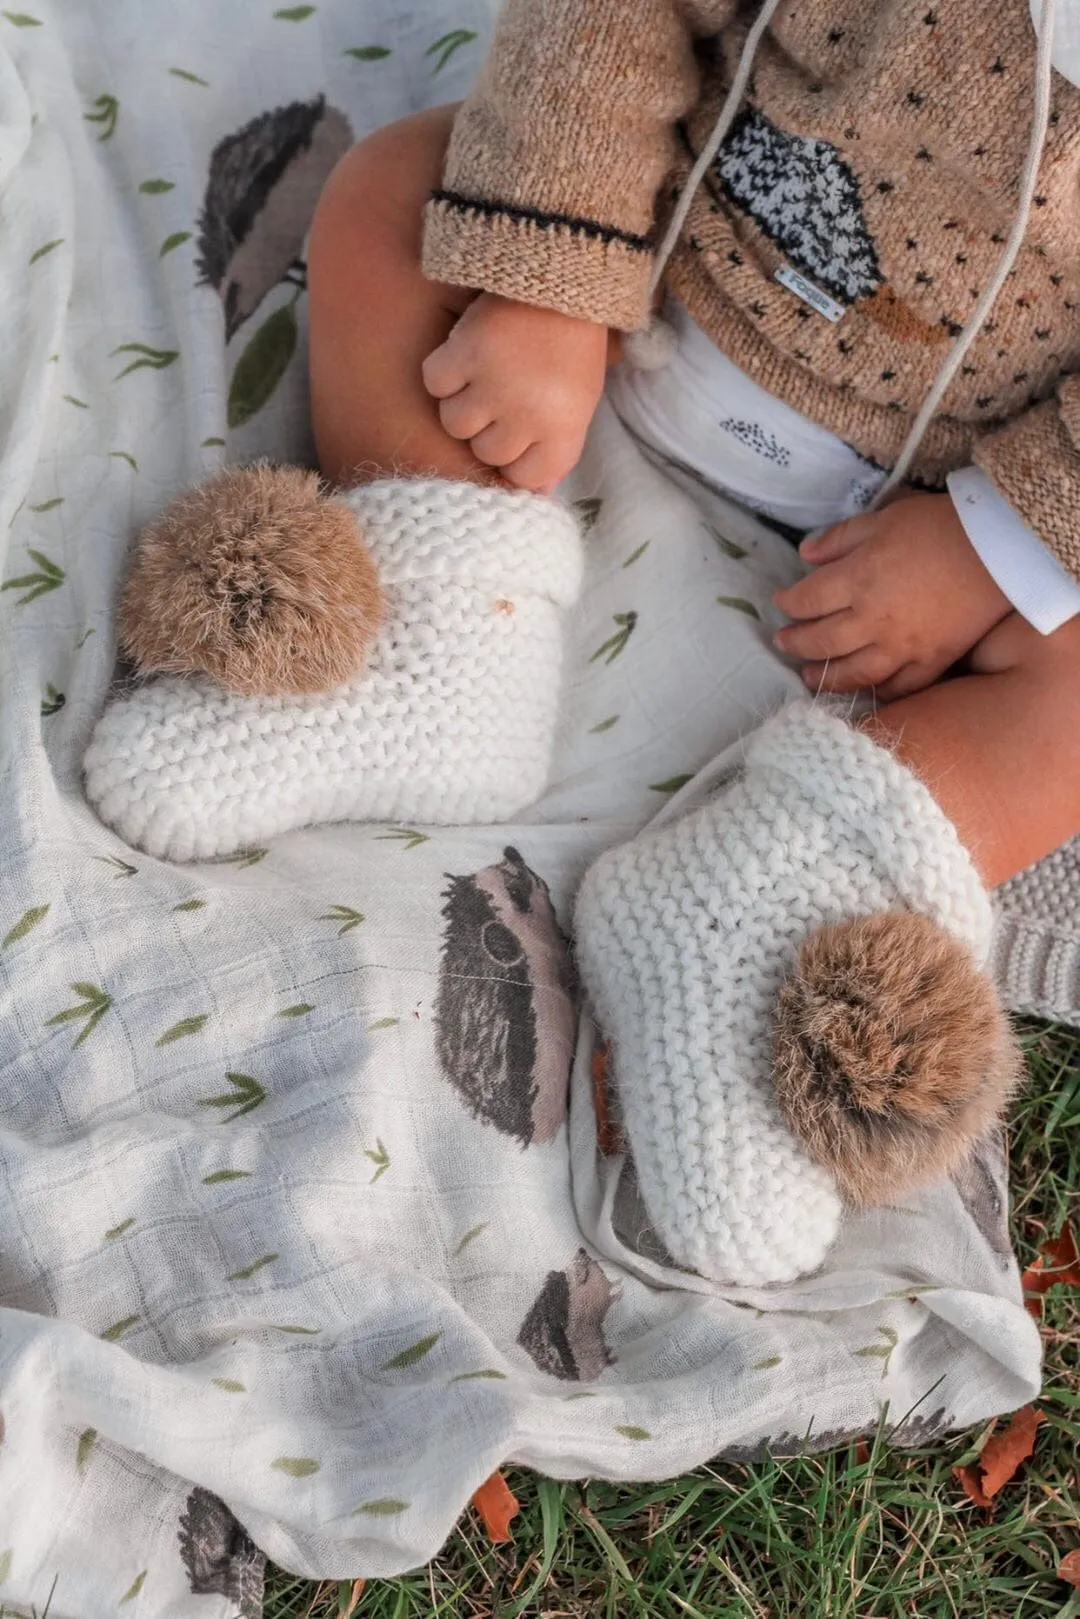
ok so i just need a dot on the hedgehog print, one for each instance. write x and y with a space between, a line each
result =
504 1010
563 1333
263 185
219 1557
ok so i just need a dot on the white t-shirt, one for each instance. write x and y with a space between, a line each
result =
703 413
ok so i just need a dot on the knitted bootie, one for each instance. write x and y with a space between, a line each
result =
450 721
774 1055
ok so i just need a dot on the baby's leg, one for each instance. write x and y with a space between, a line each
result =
998 747
373 317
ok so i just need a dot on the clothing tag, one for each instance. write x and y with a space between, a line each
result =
806 290
1065 54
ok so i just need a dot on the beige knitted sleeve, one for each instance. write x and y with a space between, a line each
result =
1035 463
557 155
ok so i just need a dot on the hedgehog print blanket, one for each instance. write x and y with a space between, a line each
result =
304 1229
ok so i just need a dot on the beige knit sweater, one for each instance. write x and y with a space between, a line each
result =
879 154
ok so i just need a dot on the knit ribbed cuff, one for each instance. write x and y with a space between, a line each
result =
882 809
570 266
1034 464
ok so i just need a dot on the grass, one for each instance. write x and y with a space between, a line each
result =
860 1533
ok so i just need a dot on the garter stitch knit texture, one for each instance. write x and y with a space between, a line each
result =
684 938
450 722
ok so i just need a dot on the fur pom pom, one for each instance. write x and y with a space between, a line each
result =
652 348
893 1055
258 580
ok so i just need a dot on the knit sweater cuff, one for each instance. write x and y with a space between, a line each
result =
880 810
1035 465
577 267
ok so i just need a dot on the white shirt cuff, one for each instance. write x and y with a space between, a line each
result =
1039 586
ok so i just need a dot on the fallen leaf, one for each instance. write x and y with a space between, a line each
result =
607 1135
353 1599
497 1506
1058 1261
1001 1456
1069 1568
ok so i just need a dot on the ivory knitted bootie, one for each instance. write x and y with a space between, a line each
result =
790 979
450 721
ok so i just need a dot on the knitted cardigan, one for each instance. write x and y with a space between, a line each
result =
878 155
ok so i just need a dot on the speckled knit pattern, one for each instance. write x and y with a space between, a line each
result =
879 155
684 937
451 722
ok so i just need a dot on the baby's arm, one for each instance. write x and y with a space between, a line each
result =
547 209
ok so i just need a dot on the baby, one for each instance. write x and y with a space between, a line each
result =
472 272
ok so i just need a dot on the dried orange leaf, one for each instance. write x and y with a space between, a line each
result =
1064 1261
1069 1568
354 1598
1003 1453
968 1479
497 1506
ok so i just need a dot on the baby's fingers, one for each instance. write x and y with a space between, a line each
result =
542 467
839 541
870 666
835 636
826 590
443 372
465 415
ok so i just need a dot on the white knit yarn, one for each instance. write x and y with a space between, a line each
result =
685 935
451 721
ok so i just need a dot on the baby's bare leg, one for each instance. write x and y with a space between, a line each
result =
998 747
373 317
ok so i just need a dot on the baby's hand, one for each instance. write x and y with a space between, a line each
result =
520 385
894 600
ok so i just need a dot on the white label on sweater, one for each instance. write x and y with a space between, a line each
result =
806 290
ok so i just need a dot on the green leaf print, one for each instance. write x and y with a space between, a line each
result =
249 1271
405 835
589 511
248 857
39 253
191 905
605 725
367 53
616 644
766 1365
123 869
148 358
410 1356
294 13
381 1159
175 240
69 399
83 638
344 914
728 547
134 1588
881 1351
301 1009
180 1031
636 555
672 785
296 1466
246 1095
229 1384
740 604
122 455
156 188
210 443
383 1023
262 365
94 1005
630 1432
221 1175
48 577
112 1334
87 1441
27 921
106 114
488 1371
306 1332
448 44
118 1230
5 1564
49 505
470 1236
22 19
386 1507
189 78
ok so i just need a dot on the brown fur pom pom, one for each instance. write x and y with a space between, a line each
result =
257 580
892 1053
